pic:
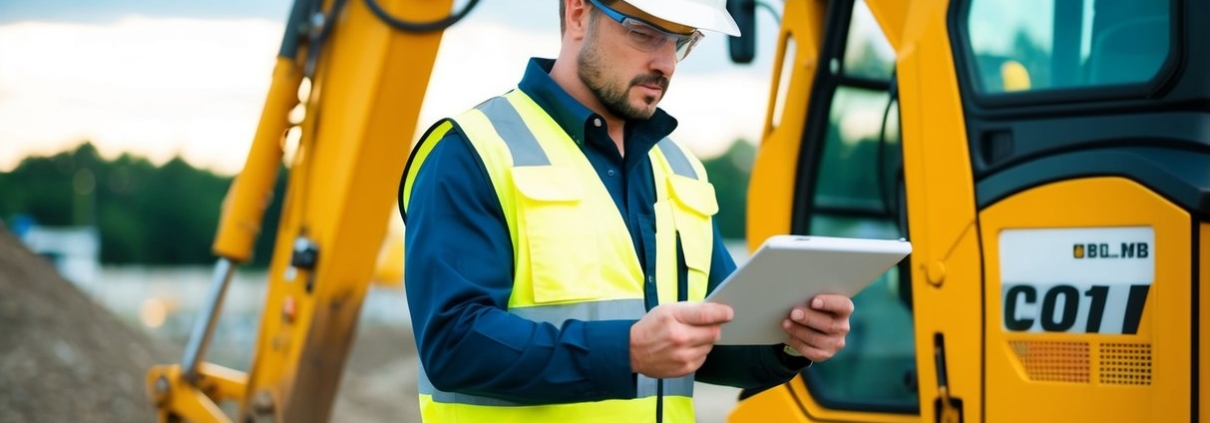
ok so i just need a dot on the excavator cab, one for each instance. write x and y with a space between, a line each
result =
1050 162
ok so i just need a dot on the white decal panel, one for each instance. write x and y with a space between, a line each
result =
1083 280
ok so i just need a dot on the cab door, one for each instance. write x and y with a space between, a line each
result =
830 164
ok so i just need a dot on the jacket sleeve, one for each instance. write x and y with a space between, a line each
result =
459 261
746 366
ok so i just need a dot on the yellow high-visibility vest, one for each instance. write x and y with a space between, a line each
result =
574 255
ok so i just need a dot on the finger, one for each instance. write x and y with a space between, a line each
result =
812 353
683 335
820 320
839 305
813 337
819 345
694 358
691 354
700 314
803 333
702 350
699 336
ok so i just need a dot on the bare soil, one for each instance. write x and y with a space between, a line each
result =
63 358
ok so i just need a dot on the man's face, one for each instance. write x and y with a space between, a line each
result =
629 82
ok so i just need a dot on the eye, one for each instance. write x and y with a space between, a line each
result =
643 35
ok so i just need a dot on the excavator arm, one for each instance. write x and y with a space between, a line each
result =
357 71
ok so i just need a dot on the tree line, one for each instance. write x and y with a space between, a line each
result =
168 214
144 213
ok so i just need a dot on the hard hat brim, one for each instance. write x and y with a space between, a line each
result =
688 13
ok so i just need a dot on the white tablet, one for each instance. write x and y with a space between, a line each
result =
788 270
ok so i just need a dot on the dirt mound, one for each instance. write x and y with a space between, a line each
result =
63 357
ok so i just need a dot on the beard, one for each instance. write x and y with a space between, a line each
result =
616 97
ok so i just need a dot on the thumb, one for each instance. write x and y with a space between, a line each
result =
701 314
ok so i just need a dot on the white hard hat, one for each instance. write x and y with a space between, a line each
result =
701 14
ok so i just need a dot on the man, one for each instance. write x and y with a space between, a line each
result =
558 243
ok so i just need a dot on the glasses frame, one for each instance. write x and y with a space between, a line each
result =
684 42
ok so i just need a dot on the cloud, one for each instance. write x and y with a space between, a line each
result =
160 87
157 87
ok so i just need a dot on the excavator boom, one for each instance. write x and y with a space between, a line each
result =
366 67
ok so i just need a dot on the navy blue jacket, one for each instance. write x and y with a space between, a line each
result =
459 263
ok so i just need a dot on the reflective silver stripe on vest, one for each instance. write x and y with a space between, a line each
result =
647 386
556 315
676 159
681 386
588 311
426 388
520 140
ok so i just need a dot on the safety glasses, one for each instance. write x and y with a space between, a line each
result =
648 37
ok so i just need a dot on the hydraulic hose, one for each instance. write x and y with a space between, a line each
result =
403 25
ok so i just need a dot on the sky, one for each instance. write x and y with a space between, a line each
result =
164 78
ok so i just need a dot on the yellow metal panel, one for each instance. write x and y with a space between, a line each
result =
246 201
1146 375
891 16
946 267
227 384
774 405
1203 324
364 104
175 397
816 412
771 190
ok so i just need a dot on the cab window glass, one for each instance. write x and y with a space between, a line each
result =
867 54
1033 45
857 194
855 145
877 368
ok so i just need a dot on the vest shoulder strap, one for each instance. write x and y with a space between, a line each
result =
495 130
679 160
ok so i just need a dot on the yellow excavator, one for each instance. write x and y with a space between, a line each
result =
1049 160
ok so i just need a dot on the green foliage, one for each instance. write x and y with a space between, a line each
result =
146 214
168 214
730 173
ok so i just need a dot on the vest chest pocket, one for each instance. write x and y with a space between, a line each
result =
694 206
557 241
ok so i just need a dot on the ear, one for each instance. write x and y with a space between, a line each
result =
576 18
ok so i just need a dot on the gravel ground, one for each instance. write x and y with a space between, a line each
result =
62 357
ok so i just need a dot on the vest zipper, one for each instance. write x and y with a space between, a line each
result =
659 401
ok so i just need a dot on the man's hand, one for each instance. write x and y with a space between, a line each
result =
817 332
672 340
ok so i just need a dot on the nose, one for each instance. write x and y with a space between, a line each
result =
664 59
